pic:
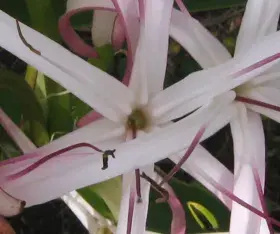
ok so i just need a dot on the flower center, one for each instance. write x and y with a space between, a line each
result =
137 120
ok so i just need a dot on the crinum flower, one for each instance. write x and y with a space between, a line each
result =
71 161
253 73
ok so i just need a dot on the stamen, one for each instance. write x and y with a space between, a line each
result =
137 171
257 103
24 40
260 193
237 199
105 157
164 193
138 186
33 166
189 151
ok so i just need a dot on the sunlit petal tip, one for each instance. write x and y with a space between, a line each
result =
9 205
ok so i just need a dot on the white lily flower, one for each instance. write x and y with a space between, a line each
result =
253 75
45 174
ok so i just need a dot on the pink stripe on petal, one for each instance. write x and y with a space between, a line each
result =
88 118
261 197
49 157
238 200
178 225
256 65
71 38
188 153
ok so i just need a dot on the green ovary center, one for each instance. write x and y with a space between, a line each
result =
137 120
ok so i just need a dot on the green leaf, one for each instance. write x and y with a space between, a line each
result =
110 191
59 109
18 100
160 215
197 210
105 61
15 87
19 12
43 17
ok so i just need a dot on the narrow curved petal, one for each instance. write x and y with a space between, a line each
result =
268 95
249 151
202 160
157 19
69 35
217 80
259 20
127 17
92 85
82 167
197 40
178 225
15 133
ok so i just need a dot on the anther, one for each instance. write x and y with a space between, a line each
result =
105 157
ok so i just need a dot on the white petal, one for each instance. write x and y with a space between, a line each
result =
139 80
250 221
197 40
150 61
102 33
87 82
127 182
260 19
157 20
249 151
68 172
202 160
267 95
140 209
